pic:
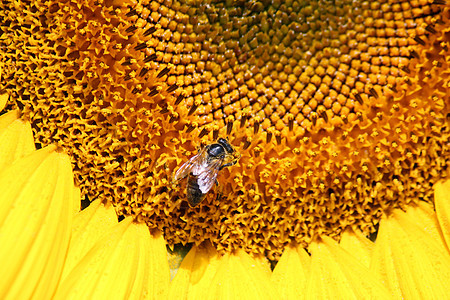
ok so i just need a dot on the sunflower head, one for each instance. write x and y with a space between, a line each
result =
338 111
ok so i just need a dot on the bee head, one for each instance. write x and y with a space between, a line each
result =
222 149
224 143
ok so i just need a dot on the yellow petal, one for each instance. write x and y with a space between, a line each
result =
3 98
158 266
336 274
8 118
291 273
16 141
77 197
409 255
428 220
127 263
358 245
36 214
241 277
195 273
89 226
442 205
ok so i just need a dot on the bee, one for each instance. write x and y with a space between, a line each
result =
202 169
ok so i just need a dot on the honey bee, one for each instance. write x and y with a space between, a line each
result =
202 169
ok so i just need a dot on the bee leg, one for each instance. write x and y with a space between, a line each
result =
219 192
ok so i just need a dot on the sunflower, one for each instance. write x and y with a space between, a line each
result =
339 112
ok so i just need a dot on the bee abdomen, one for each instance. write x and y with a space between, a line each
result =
194 194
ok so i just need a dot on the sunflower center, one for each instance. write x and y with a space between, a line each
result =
337 108
299 62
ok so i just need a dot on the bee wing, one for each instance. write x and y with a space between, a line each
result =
191 165
208 174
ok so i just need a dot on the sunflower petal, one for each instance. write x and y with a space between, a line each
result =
89 226
336 274
158 266
77 197
358 245
410 256
127 263
442 205
36 214
195 273
16 141
241 277
8 118
428 220
291 273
